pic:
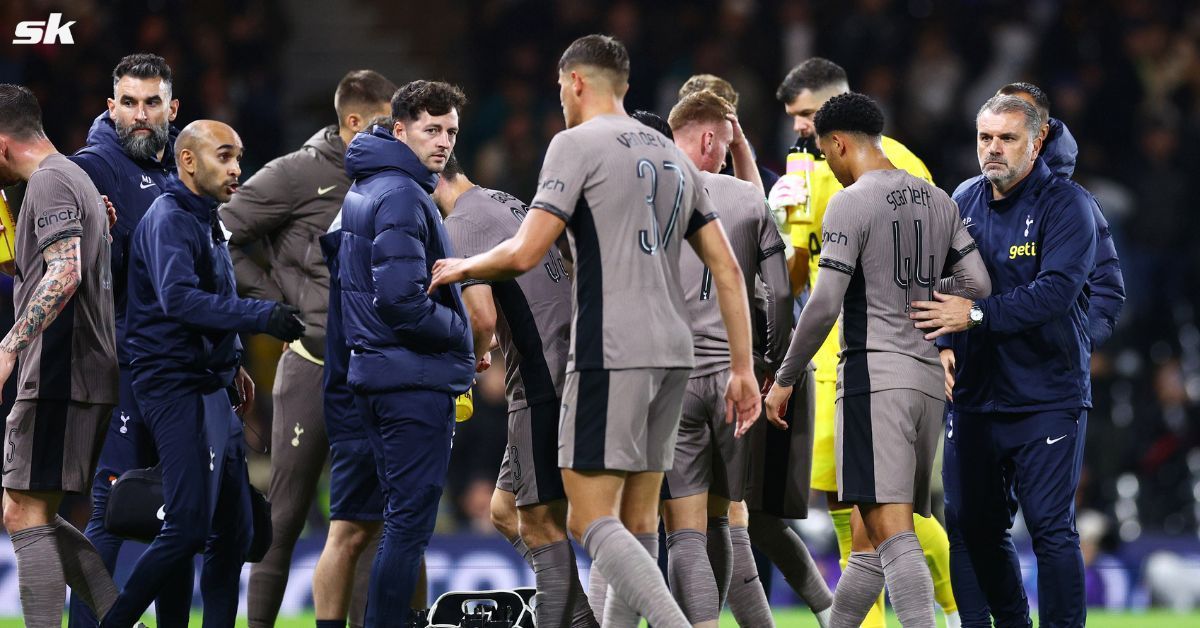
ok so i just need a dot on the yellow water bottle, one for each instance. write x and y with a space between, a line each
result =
802 163
8 237
464 406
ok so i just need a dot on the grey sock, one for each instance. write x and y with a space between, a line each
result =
597 593
523 550
857 590
720 555
747 599
40 576
554 570
632 574
787 550
83 569
691 576
616 609
581 611
908 581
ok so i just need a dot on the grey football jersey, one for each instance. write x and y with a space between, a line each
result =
75 357
533 311
629 198
754 238
893 234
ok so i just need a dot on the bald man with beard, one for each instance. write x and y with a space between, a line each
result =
183 321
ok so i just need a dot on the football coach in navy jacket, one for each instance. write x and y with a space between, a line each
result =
1018 369
411 353
182 322
130 155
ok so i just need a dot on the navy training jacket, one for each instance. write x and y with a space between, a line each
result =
1033 351
131 185
1106 284
183 312
400 337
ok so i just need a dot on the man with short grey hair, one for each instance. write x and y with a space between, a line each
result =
1016 366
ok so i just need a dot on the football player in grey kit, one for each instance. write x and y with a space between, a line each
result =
627 197
888 237
531 319
710 468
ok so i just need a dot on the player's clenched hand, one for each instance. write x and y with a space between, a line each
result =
447 271
741 396
776 402
947 315
947 358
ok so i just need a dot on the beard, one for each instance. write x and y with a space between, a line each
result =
143 146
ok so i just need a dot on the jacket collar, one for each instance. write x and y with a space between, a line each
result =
1027 188
202 207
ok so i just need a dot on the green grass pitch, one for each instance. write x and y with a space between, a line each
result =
792 618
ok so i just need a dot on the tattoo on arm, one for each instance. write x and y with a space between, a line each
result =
50 296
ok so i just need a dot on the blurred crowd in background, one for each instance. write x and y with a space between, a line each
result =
1124 75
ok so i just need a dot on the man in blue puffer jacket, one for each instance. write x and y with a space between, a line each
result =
1018 370
411 353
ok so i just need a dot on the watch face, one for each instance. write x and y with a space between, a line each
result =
976 314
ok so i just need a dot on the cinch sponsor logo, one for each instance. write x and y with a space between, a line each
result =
834 237
553 185
1029 249
51 31
58 216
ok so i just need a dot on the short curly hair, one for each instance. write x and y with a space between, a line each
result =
435 97
850 112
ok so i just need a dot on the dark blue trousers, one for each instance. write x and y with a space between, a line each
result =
206 492
410 433
995 463
128 445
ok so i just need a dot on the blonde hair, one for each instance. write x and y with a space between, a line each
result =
703 106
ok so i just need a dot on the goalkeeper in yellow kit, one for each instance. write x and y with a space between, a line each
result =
805 88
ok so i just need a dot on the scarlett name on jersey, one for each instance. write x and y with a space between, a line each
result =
904 196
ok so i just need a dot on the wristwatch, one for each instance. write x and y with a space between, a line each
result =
976 316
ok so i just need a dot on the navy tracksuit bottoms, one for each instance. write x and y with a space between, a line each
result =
410 433
995 463
206 491
128 446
